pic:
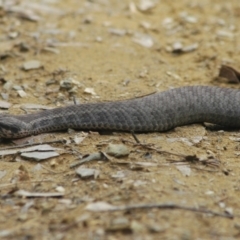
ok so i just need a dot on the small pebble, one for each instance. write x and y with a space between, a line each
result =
87 172
32 64
21 93
39 156
117 150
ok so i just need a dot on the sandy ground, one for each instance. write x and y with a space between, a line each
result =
121 49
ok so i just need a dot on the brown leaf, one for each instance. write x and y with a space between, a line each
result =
232 75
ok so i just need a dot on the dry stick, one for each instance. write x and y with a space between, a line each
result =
206 170
74 100
135 137
152 148
168 206
165 206
160 151
91 157
208 162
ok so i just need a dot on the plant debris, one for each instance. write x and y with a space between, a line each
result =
102 206
232 75
24 193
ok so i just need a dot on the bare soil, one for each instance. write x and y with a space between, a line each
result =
92 44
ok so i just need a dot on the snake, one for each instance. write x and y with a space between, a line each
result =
156 112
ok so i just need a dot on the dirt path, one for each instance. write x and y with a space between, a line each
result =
107 50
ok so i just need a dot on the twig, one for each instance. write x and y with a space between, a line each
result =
24 193
91 157
202 169
74 101
193 159
167 206
135 138
154 149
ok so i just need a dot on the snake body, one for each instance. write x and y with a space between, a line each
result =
157 112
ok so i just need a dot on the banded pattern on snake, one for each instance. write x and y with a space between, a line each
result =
157 112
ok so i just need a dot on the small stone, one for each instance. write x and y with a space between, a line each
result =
155 228
78 140
136 226
117 31
225 34
51 49
8 85
87 20
24 47
69 83
188 18
143 40
13 34
21 93
99 39
23 217
39 156
190 48
32 64
60 189
119 174
222 205
87 172
117 150
53 163
5 105
37 167
229 210
145 25
120 223
177 47
2 173
89 91
209 193
146 5
5 96
184 169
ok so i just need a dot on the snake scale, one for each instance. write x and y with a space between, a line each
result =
157 112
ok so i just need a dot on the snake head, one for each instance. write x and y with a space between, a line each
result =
12 127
